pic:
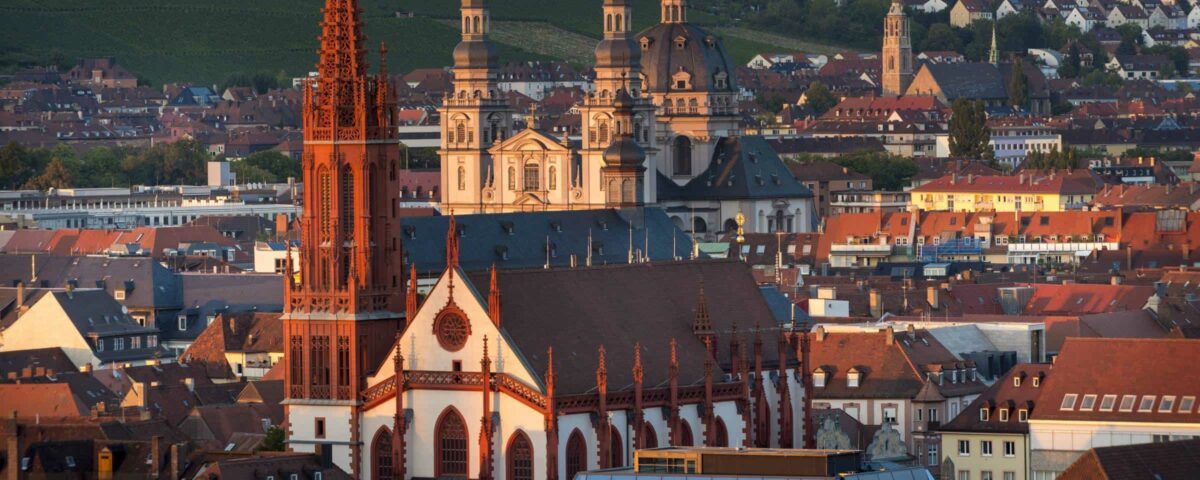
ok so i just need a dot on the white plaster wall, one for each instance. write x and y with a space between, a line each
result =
1081 436
46 325
302 423
568 424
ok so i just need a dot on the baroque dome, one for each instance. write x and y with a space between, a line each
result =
681 57
475 53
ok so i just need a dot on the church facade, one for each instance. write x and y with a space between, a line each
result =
669 89
521 374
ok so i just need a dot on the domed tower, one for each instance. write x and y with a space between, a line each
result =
618 76
689 77
897 52
475 115
624 172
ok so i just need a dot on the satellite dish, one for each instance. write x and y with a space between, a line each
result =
124 309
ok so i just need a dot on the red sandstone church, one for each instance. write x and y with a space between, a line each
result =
508 375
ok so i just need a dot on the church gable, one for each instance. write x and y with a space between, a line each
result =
447 334
530 140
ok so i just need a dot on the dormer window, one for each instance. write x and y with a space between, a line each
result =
1017 381
983 414
819 378
853 378
681 42
1003 414
1037 382
682 80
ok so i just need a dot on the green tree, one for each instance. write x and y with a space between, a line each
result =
55 176
1018 85
887 171
1131 39
275 441
820 98
968 129
942 38
16 165
279 166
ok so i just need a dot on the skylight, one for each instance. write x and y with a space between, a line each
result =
1147 404
1089 401
1068 402
1186 404
1167 404
1107 403
1127 402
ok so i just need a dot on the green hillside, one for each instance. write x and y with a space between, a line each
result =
206 40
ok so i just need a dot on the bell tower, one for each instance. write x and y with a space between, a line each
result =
617 112
475 115
343 311
897 52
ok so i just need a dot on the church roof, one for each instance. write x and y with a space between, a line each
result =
668 48
519 240
968 80
576 310
742 168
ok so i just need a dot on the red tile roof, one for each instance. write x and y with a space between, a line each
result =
1004 394
1065 184
1127 371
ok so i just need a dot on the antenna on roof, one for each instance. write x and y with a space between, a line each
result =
629 254
589 247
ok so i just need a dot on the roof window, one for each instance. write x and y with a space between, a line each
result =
1127 402
1088 402
1068 402
1186 404
1147 404
1107 403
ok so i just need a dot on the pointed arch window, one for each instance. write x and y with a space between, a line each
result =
381 455
685 435
520 457
722 436
576 457
450 444
649 436
326 193
616 456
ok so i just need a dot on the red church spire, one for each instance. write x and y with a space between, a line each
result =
494 299
452 244
410 301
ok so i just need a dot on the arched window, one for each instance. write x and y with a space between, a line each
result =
722 439
520 457
619 26
616 457
576 454
603 135
608 25
450 445
478 28
683 155
649 436
512 178
685 435
700 226
462 178
628 192
779 221
692 106
531 176
460 132
381 454
552 179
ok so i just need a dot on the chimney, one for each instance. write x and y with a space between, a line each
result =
1021 179
104 464
86 368
176 464
14 447
190 383
20 296
1115 280
889 335
820 333
932 296
876 300
911 330
155 455
233 325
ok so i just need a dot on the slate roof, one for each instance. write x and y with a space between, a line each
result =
578 310
518 240
205 295
1179 460
742 168
50 360
968 80
247 332
1003 394
153 286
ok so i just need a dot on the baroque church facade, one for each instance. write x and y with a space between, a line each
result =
520 374
665 98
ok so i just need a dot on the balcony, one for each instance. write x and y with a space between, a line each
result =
861 249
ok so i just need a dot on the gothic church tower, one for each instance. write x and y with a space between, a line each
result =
343 311
897 52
